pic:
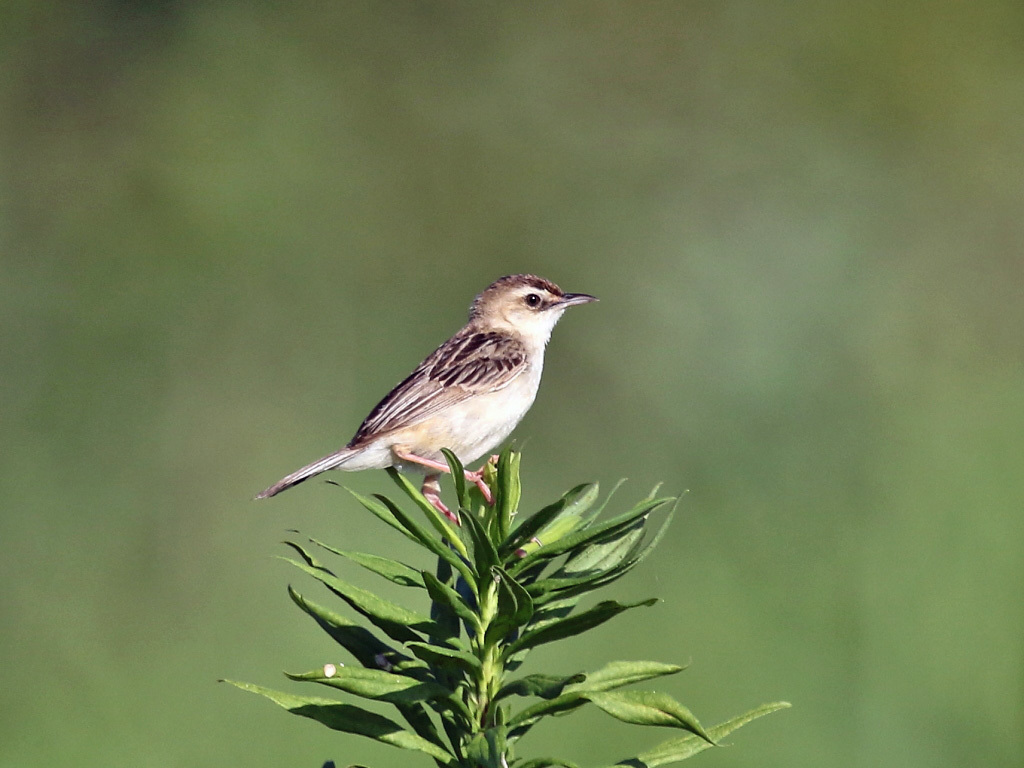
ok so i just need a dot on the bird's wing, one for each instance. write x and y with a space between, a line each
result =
468 364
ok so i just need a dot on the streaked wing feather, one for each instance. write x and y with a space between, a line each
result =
468 364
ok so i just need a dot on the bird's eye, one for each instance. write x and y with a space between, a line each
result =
532 300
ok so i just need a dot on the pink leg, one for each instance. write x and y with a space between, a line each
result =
474 477
432 493
477 478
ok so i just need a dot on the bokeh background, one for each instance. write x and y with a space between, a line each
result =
227 228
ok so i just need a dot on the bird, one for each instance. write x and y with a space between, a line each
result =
467 395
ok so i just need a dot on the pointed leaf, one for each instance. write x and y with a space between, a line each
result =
311 561
416 715
606 552
558 588
395 621
440 522
552 608
525 719
487 749
677 749
375 684
351 719
543 686
616 674
592 533
550 533
438 547
442 593
545 762
507 493
597 564
392 570
641 551
484 554
441 614
515 607
367 649
574 503
382 512
596 512
458 473
445 657
574 624
648 708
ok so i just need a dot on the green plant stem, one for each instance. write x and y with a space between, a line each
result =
489 678
510 591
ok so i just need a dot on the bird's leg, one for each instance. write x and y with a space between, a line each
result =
432 492
474 477
477 478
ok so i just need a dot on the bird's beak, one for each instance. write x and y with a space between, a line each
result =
569 299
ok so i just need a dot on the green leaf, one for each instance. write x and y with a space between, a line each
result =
351 719
484 554
508 492
648 708
458 473
642 551
589 534
515 607
367 649
526 718
605 553
611 494
311 561
572 504
440 522
574 589
547 613
542 686
677 749
594 566
573 625
395 621
416 715
383 513
438 547
441 614
545 762
445 657
616 674
375 684
487 749
442 593
392 570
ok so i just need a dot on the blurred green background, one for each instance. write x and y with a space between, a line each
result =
226 229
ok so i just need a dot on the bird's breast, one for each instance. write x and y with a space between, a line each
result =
476 425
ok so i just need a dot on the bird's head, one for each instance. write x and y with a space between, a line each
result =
526 305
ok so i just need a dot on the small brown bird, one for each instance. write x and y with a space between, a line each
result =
467 396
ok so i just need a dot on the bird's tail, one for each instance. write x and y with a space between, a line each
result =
336 459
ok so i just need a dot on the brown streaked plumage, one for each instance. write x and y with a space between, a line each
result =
469 393
469 363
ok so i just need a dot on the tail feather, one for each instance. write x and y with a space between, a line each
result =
320 465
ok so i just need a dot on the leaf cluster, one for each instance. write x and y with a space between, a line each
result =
500 588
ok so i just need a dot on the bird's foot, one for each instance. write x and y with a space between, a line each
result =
477 478
432 492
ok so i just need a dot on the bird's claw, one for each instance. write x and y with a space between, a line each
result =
432 492
477 478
